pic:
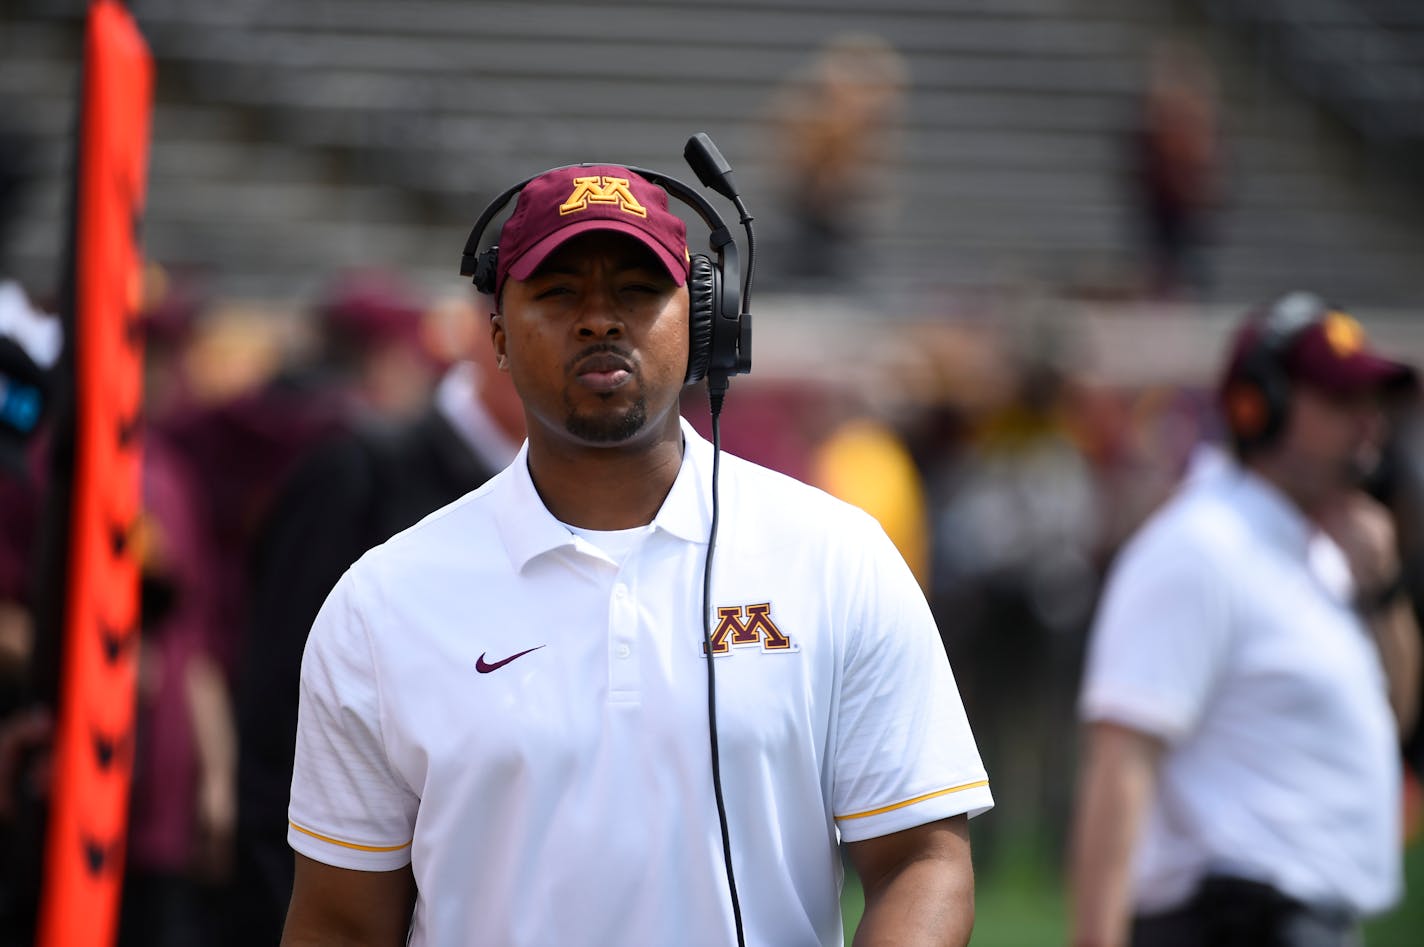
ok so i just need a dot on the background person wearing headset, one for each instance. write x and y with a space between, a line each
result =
1251 668
505 708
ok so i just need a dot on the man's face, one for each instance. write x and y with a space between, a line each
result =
1331 440
596 341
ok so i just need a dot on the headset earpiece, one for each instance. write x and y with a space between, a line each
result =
485 268
1257 401
1248 412
703 293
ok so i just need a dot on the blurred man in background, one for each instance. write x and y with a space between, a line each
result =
181 810
1251 669
182 814
836 132
1178 180
244 438
349 496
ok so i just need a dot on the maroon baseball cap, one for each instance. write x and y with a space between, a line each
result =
1329 351
372 306
564 203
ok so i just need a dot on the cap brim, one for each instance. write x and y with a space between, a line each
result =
524 267
1365 371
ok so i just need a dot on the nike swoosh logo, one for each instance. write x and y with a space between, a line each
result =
484 667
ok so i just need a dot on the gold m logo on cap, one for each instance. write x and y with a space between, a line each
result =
1345 335
602 190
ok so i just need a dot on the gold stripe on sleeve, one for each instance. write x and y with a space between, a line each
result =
911 802
337 841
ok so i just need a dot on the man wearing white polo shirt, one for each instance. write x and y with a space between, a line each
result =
505 710
1250 669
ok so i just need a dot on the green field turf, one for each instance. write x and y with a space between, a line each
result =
1021 905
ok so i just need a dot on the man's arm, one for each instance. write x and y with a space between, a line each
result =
215 735
1396 635
919 886
338 907
1365 532
1115 786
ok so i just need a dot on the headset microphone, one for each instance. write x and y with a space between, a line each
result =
710 167
715 172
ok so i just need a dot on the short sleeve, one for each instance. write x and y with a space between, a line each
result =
904 753
1159 639
349 807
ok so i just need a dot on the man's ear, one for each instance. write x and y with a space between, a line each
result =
497 338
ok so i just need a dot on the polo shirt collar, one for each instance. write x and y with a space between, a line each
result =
528 530
687 511
1276 518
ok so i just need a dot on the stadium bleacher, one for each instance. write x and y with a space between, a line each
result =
293 138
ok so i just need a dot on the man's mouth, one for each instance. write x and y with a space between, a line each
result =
604 371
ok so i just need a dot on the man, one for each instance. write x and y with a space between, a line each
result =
352 494
504 708
1250 670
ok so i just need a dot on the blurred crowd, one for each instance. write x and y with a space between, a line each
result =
236 401
279 444
1006 479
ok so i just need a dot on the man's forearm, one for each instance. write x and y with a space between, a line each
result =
926 903
1396 635
1114 791
339 907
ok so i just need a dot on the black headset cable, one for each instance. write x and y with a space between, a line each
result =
717 388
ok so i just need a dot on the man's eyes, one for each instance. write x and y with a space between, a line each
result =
640 287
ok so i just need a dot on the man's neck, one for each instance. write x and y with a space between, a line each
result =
605 488
1310 501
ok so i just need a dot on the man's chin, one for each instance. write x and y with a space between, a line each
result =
611 428
1362 468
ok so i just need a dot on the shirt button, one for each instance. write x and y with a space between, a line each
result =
624 651
620 591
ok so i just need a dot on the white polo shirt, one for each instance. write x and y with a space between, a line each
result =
1226 630
491 698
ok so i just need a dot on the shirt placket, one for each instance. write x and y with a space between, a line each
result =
623 663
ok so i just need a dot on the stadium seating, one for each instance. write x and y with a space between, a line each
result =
292 138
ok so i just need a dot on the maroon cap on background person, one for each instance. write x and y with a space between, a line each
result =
1329 351
372 307
564 203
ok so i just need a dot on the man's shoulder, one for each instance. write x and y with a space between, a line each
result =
1199 519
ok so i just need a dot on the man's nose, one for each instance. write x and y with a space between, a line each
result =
599 318
1373 424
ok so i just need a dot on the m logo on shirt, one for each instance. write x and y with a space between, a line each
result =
601 189
742 625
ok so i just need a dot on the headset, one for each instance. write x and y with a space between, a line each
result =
720 346
720 329
1256 398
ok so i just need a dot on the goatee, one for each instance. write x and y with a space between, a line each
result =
607 428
